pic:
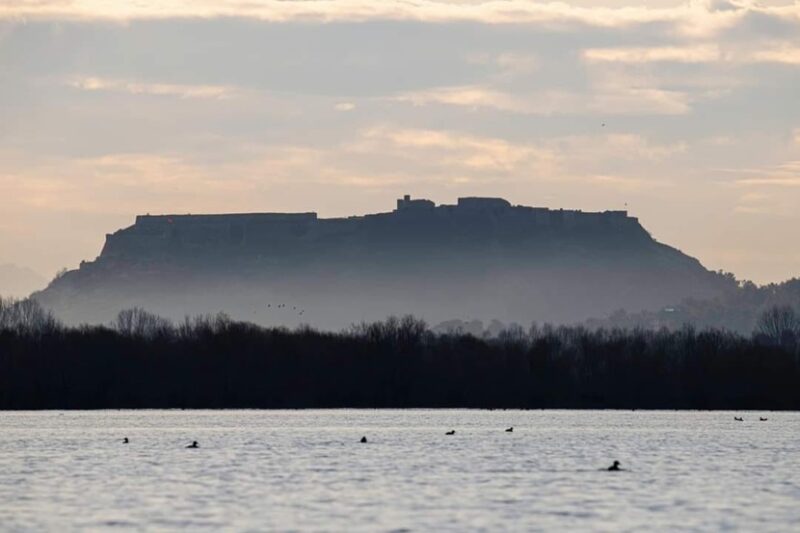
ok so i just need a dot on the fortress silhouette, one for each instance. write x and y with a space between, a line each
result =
484 219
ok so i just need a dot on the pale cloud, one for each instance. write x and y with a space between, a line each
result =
687 54
786 174
509 65
472 97
123 182
789 55
457 156
621 183
344 106
508 11
145 182
702 53
607 98
769 195
91 83
694 18
457 153
776 181
755 203
616 146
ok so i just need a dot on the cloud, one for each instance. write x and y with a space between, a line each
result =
474 97
620 183
508 66
90 83
616 146
372 158
688 54
344 106
784 54
786 174
507 11
447 153
694 18
607 98
703 53
776 181
458 157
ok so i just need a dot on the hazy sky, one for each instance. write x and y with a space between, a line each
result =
686 112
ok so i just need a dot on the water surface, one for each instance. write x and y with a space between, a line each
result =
306 470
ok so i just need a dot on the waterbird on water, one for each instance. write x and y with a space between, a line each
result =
363 440
125 440
509 430
762 419
615 467
451 432
193 444
738 419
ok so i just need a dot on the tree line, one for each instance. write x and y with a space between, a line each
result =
141 360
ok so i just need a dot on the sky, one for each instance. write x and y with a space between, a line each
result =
685 113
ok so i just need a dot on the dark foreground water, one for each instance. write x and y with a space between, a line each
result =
306 470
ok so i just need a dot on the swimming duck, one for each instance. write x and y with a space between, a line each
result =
363 440
451 432
509 430
615 467
738 419
125 440
193 444
762 419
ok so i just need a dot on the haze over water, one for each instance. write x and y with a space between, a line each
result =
306 470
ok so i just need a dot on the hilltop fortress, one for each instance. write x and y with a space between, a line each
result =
175 235
479 258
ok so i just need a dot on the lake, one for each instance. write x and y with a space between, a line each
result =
307 470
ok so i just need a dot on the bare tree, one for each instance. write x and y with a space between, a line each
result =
140 323
27 316
778 321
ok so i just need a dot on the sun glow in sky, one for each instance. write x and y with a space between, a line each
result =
688 113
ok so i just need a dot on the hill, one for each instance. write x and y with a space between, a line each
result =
480 258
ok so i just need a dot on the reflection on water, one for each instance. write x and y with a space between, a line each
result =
308 470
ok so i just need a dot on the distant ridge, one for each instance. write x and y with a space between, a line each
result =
479 258
17 281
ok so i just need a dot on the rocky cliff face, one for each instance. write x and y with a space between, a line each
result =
481 258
